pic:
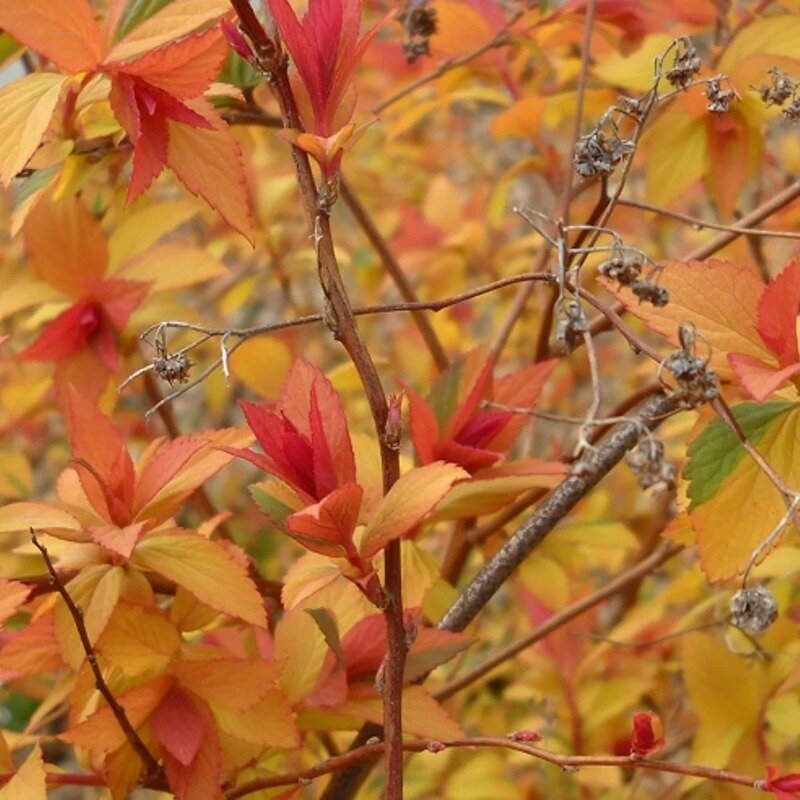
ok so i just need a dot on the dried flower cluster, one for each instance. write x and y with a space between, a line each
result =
652 471
782 88
753 610
685 65
419 24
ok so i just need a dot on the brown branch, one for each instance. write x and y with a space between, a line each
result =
369 752
623 580
152 767
340 318
699 224
395 271
551 511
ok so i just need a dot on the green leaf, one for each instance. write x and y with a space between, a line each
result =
715 453
137 12
326 622
237 72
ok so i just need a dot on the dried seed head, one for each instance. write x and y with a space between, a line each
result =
696 380
753 610
649 292
780 90
623 270
685 65
597 153
719 99
172 368
647 461
792 111
572 324
420 22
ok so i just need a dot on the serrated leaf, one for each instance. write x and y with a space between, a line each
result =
735 506
173 21
13 595
209 164
136 12
28 105
64 31
235 683
205 569
714 454
726 322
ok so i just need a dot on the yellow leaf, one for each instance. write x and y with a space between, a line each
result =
269 723
261 364
725 690
206 570
776 36
39 516
28 781
140 229
739 516
634 72
16 476
28 106
677 148
139 641
299 642
95 590
171 266
306 576
24 293
170 23
407 503
422 715
726 320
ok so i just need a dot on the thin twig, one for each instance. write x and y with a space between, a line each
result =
700 224
369 752
152 767
624 579
392 266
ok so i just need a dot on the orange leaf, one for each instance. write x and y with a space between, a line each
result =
209 164
28 106
101 733
234 683
719 297
66 246
64 31
170 471
205 569
28 781
183 68
407 503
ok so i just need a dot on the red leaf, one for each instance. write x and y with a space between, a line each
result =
327 527
785 787
648 734
758 378
178 726
66 334
777 314
102 460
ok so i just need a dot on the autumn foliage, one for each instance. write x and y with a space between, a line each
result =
399 400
